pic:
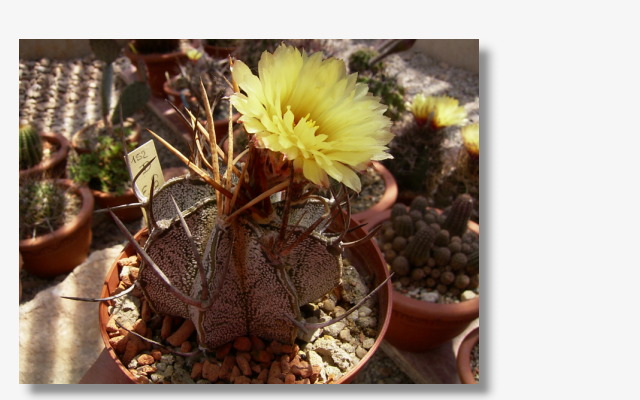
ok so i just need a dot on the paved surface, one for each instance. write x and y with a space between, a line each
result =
60 338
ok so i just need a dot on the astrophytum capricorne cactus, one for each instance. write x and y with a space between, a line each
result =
237 248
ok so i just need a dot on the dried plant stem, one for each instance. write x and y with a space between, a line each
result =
192 166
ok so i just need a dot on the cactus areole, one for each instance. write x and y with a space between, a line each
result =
237 248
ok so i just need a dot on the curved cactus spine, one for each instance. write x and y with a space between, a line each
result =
419 248
458 217
30 147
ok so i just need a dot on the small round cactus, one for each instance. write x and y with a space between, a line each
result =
399 243
398 209
442 256
419 203
400 266
458 261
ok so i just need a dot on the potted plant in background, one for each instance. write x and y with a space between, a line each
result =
154 59
260 246
468 358
419 153
185 90
41 153
99 147
220 48
55 225
435 258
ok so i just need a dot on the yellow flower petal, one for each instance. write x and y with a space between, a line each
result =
309 109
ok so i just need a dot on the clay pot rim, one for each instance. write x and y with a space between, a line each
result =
155 57
104 195
383 310
86 211
388 198
55 159
464 356
469 309
135 136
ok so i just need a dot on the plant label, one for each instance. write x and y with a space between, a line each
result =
139 159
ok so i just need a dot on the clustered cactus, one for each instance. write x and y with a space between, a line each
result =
427 249
30 147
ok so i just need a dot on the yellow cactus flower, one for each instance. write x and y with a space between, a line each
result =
438 111
310 110
471 138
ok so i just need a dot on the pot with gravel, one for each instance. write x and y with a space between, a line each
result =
435 258
244 260
468 359
379 192
154 59
333 354
55 225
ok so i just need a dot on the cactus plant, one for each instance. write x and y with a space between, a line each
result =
132 98
419 203
419 248
42 207
30 146
459 214
226 254
432 258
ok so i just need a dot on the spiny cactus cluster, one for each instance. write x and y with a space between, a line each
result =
30 147
432 250
42 207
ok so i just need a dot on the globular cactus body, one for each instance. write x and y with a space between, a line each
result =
419 203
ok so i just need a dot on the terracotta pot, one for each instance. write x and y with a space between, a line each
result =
388 198
157 65
104 200
64 249
218 52
367 259
173 95
54 166
463 360
79 141
417 325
